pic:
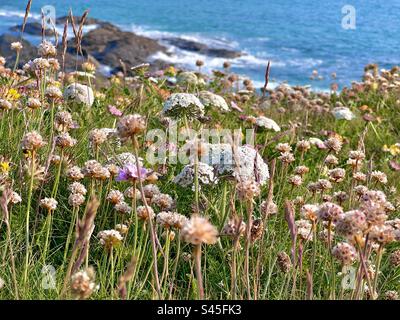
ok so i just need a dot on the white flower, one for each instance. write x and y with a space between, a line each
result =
79 93
179 104
187 77
243 164
205 175
343 113
209 99
267 123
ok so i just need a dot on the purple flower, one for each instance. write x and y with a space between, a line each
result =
129 172
114 111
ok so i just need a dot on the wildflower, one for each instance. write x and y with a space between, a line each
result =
391 295
323 185
77 187
340 196
97 136
54 64
317 142
209 100
145 212
331 160
247 190
122 207
170 219
382 234
64 140
359 176
33 103
286 157
80 94
92 169
345 253
343 113
336 175
179 105
16 46
32 141
295 180
5 105
109 238
268 209
53 93
351 224
309 211
131 193
74 173
83 283
14 198
163 201
114 111
115 196
49 204
130 125
393 149
284 262
303 145
267 123
356 155
333 144
235 227
301 170
187 78
122 228
63 121
379 176
47 49
395 258
76 199
129 173
283 148
205 175
89 67
329 212
199 230
360 190
304 228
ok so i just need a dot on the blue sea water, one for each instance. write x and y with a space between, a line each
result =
298 36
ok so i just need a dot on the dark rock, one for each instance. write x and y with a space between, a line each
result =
33 28
193 46
108 44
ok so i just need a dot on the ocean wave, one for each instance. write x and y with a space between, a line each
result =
219 42
18 14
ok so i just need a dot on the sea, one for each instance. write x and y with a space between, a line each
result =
306 40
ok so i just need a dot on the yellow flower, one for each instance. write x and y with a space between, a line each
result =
13 94
5 166
393 149
170 71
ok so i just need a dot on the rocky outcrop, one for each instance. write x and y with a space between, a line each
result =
193 46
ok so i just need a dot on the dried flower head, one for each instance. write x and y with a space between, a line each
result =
130 125
83 283
49 204
115 196
345 253
32 141
199 230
